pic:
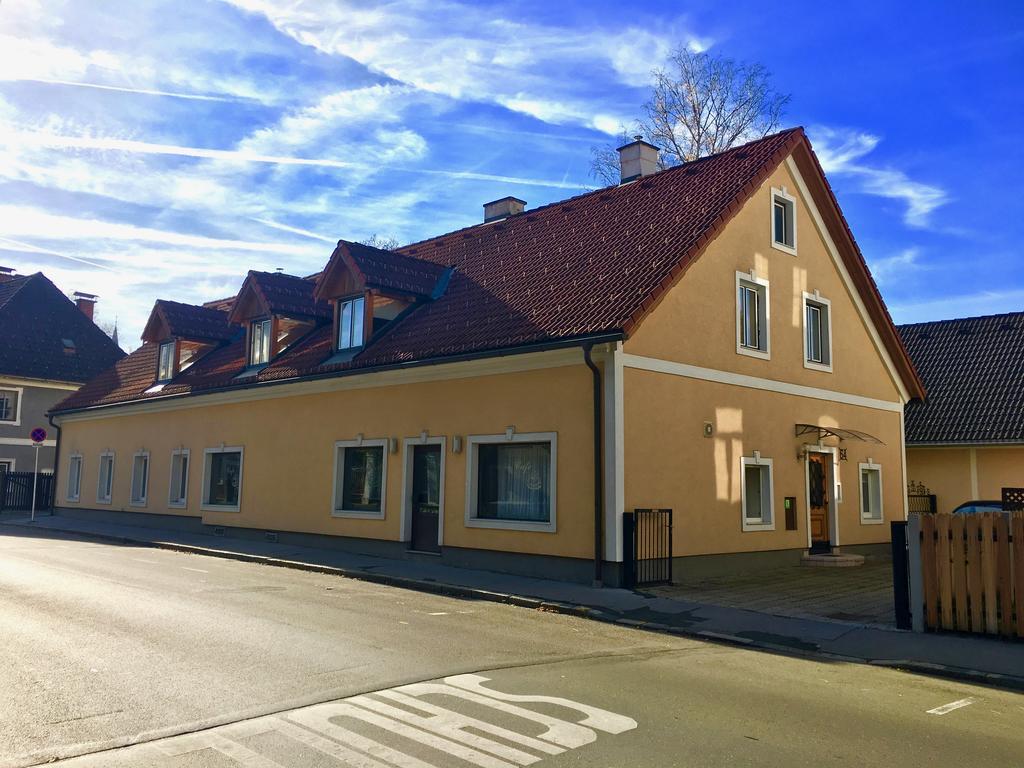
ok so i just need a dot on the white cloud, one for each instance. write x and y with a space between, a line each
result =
952 306
469 52
899 266
21 221
842 152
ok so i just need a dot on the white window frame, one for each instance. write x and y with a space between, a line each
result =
77 495
20 393
790 201
826 304
864 518
135 500
265 341
99 477
405 528
173 345
205 504
473 442
362 324
337 492
751 280
11 462
183 502
750 524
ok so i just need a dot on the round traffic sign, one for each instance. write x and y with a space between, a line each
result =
38 435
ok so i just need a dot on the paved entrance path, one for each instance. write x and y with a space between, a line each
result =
980 659
861 595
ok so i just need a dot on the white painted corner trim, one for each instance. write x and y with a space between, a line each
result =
754 382
26 441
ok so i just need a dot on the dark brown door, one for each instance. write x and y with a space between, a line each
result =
818 486
426 497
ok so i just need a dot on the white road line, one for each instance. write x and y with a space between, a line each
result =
438 613
951 706
140 560
197 570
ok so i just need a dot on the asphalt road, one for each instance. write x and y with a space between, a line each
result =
208 663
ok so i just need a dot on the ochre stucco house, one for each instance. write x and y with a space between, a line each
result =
440 398
965 441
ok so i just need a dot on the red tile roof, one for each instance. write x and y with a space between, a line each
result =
591 265
286 295
190 321
386 270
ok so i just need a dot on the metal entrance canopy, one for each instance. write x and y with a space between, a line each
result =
842 434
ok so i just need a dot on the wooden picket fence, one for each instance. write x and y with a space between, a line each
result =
972 572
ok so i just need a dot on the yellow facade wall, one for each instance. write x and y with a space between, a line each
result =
287 474
696 321
670 464
948 472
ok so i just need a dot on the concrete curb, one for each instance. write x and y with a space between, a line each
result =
568 609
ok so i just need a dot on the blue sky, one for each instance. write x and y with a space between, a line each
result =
155 149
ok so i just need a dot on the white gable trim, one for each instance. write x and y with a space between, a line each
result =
847 280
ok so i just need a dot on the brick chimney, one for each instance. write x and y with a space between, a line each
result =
85 302
636 159
503 208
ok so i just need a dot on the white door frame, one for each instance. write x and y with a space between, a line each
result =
833 502
405 526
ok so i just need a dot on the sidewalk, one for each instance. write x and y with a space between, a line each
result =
980 660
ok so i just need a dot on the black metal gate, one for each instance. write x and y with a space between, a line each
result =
16 491
647 547
921 499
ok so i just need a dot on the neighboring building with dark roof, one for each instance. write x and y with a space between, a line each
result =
49 347
441 397
965 440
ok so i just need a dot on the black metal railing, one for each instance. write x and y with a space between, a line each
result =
647 545
925 503
16 491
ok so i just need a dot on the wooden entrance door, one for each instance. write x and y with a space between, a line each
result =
426 497
819 496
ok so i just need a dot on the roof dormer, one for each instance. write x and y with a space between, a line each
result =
370 287
276 310
184 332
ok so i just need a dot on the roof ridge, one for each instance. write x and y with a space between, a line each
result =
603 190
972 318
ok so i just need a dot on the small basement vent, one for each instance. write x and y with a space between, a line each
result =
218 531
270 536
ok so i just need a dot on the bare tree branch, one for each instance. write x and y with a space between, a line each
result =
383 242
700 104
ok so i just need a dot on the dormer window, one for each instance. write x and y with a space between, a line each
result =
351 313
259 342
165 368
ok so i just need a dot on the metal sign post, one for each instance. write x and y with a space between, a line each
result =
38 435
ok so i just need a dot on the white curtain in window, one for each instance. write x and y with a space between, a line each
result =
515 482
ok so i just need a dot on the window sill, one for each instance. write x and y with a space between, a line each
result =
749 352
510 525
784 248
872 521
813 366
137 504
103 501
357 514
177 504
219 508
75 500
754 527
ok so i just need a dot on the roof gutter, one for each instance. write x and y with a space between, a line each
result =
588 348
546 346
